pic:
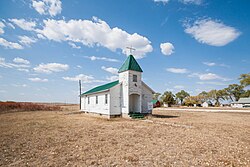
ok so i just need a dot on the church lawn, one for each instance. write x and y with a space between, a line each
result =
170 138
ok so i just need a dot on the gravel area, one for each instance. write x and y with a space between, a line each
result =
168 138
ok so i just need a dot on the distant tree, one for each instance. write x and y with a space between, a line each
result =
245 94
181 95
168 98
234 91
217 95
245 79
156 96
191 100
203 96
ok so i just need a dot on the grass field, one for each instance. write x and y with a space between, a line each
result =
169 138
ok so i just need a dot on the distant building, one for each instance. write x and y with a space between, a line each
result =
127 95
242 102
204 104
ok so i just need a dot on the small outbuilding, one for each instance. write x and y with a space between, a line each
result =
241 103
156 103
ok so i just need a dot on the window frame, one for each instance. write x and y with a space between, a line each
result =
135 78
106 99
88 100
96 99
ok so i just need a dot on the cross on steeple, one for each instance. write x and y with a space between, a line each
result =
131 49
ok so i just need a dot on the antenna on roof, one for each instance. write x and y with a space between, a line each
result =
130 49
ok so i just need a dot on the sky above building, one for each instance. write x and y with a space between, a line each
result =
46 46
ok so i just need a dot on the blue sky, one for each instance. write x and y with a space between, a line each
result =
46 46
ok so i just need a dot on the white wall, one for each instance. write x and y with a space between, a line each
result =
115 100
101 107
147 96
123 79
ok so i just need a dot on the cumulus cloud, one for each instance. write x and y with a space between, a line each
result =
20 60
111 70
10 45
84 78
211 32
95 33
25 40
25 25
167 48
208 76
93 58
73 45
177 70
51 67
38 80
45 7
5 64
1 27
112 78
212 83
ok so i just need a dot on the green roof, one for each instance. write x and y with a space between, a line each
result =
101 88
130 64
154 101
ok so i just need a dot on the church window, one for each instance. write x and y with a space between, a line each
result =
88 100
134 78
96 99
106 98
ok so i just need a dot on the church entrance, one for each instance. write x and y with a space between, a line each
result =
134 103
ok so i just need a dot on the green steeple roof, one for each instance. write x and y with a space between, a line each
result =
130 64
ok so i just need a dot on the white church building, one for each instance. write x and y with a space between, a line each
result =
127 95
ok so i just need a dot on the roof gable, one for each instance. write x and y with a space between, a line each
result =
244 100
101 88
130 64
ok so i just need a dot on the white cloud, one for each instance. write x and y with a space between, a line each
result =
209 63
212 83
19 85
25 25
167 48
10 45
111 70
163 1
93 58
4 64
20 60
211 32
215 64
179 87
38 80
73 45
44 7
112 78
1 27
51 67
23 69
84 78
208 76
177 70
95 33
25 40
196 2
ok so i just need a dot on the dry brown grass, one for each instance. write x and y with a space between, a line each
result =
169 139
26 106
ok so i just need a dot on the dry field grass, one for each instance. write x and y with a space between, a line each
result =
67 138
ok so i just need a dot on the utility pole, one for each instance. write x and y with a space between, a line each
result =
80 86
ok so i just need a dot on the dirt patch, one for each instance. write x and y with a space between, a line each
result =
48 138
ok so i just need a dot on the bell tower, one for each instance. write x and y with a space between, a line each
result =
130 75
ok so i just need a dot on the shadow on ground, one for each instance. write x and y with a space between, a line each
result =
164 116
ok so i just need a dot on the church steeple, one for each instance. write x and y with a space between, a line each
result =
130 64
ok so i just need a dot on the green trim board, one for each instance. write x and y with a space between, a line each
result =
130 64
101 88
